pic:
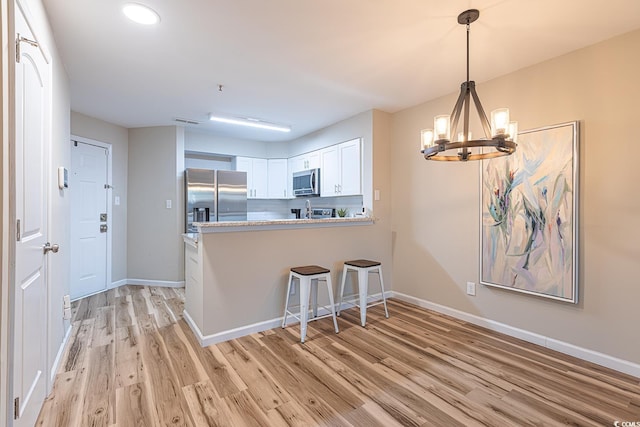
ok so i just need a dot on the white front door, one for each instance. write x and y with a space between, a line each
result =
87 182
32 141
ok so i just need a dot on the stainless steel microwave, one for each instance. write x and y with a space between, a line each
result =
306 183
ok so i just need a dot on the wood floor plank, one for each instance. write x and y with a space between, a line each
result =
124 311
244 410
104 326
64 403
99 400
133 407
262 387
321 380
77 348
293 414
139 301
163 382
316 407
132 360
205 406
129 366
187 367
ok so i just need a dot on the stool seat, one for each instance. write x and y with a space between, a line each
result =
363 267
310 270
363 263
307 277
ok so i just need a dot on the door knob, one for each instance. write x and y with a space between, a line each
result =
49 247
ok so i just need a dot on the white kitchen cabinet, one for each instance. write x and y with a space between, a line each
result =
329 171
340 169
305 161
257 176
277 179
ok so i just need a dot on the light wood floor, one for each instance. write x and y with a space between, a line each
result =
133 361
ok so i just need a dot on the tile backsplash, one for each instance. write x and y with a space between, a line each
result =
261 209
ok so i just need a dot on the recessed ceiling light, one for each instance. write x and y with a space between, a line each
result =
141 14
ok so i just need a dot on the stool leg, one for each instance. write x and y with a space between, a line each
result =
314 297
363 281
333 307
384 299
304 306
286 304
344 279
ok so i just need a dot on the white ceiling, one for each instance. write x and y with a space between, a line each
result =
305 63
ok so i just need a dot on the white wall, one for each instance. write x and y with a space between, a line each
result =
118 137
154 233
201 142
436 205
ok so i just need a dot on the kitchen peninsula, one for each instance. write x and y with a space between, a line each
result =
236 272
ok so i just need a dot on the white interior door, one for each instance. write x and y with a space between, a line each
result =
87 182
32 140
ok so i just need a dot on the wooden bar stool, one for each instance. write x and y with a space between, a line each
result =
308 277
363 267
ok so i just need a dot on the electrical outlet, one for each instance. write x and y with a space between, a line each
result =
471 288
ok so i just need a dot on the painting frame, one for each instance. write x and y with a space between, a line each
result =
529 204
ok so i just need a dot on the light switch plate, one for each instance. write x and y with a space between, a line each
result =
376 195
471 288
116 200
168 204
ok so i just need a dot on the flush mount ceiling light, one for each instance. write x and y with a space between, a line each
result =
499 134
248 121
140 13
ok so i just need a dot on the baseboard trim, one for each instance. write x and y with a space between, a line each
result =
207 340
58 359
606 360
118 283
161 283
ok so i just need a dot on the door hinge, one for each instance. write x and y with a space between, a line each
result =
18 230
19 39
16 408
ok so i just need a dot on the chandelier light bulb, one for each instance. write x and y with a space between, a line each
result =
427 138
441 125
513 131
500 122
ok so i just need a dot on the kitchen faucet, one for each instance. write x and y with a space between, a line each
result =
307 209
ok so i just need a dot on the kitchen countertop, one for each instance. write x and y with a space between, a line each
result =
280 224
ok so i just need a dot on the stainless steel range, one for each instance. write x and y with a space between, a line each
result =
322 213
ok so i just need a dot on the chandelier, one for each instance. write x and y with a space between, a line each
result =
501 134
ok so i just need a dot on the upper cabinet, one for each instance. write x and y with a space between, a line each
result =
340 169
257 176
305 162
278 182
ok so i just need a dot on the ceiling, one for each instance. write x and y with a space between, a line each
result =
305 63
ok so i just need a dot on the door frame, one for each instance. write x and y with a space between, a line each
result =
5 377
108 147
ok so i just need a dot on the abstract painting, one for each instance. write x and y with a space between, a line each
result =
529 215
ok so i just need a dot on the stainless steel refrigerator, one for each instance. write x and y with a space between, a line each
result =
214 195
